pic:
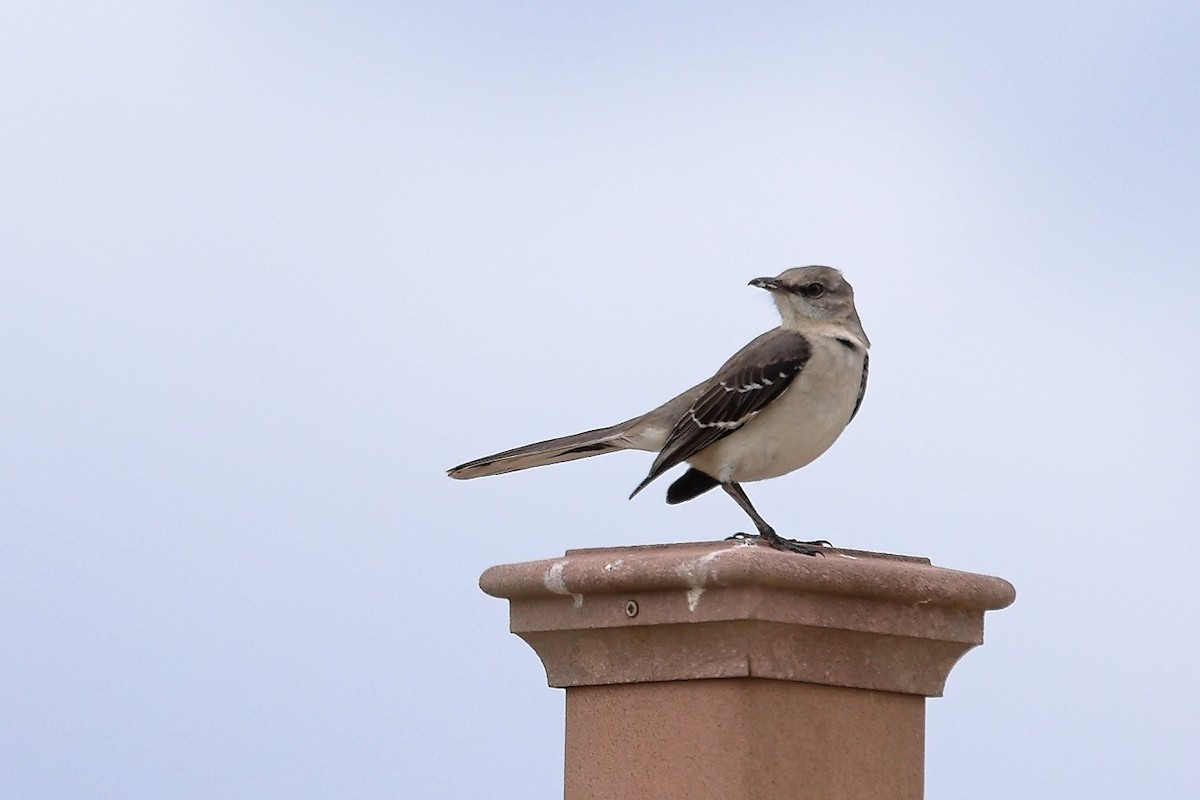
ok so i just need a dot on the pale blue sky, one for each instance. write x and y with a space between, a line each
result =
270 268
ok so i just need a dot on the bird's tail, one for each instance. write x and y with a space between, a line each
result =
552 451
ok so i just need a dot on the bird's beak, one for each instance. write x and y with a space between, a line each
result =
770 284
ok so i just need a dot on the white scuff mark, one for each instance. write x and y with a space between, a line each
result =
554 582
846 555
698 574
740 540
620 562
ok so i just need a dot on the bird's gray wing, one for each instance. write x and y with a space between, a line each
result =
744 386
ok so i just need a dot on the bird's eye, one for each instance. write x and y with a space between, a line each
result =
812 290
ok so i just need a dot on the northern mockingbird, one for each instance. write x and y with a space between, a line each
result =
780 402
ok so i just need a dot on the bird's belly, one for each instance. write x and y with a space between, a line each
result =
790 433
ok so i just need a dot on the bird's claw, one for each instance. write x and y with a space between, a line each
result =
777 542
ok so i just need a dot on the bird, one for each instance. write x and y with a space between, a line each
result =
772 408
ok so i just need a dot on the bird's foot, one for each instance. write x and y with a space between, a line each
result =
774 540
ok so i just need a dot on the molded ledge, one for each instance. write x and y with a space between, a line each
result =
738 609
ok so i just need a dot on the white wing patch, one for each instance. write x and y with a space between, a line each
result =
725 426
750 387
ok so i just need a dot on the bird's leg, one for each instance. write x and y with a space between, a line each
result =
767 534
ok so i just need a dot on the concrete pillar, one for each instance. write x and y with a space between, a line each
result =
730 670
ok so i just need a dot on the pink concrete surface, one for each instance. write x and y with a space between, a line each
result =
735 609
730 670
743 738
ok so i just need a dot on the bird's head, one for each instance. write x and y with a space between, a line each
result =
807 295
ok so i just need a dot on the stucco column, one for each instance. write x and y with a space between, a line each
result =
730 670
